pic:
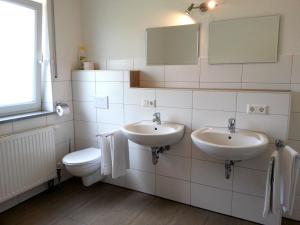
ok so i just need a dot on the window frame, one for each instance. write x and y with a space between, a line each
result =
37 104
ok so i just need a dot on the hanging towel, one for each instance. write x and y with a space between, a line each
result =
272 207
288 177
115 154
106 165
119 154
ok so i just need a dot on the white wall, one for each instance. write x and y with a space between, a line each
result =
184 173
68 38
116 29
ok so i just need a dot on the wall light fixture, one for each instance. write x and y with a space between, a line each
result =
203 7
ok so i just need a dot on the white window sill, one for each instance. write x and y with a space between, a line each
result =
24 116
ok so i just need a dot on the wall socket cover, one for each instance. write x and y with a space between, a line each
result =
148 103
257 109
102 102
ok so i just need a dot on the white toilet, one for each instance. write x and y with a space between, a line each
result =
85 163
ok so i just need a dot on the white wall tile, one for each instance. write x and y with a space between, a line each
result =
113 115
249 181
279 72
28 124
229 73
62 91
134 96
203 118
294 126
85 111
106 75
85 143
104 127
174 189
183 148
133 113
174 98
141 159
140 181
296 69
275 126
295 97
266 86
6 128
84 91
120 181
247 207
210 198
277 103
114 91
215 85
149 73
63 149
120 64
176 115
260 162
186 73
174 166
64 132
211 174
83 75
181 84
214 100
85 130
152 84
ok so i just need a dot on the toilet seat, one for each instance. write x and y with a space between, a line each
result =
85 156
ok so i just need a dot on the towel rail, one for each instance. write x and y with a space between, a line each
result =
107 134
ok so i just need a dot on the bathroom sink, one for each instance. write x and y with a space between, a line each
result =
220 143
153 135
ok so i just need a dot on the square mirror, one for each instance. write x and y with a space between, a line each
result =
245 40
175 45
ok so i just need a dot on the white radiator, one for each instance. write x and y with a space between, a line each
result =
27 160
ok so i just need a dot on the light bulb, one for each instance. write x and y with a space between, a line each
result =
211 4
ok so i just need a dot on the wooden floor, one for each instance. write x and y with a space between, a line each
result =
104 204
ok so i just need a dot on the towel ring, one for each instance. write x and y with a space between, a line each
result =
279 144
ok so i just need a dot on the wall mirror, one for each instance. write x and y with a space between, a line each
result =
175 45
245 40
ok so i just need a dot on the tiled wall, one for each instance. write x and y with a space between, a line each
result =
183 174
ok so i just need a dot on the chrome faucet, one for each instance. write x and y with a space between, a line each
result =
156 118
231 125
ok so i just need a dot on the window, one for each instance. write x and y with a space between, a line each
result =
20 55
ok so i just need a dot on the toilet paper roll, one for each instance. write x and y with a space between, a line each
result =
62 109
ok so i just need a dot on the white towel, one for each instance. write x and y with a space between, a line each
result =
120 154
288 178
272 208
115 154
106 165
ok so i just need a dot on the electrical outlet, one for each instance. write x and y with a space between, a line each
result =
148 103
257 109
102 102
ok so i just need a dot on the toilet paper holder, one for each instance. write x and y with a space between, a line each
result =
62 108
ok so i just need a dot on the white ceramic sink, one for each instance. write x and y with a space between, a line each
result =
149 134
222 144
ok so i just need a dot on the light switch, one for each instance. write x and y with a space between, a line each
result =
102 102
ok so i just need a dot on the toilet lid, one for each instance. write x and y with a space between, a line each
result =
84 156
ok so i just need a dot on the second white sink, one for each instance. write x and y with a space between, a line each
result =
153 135
222 144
